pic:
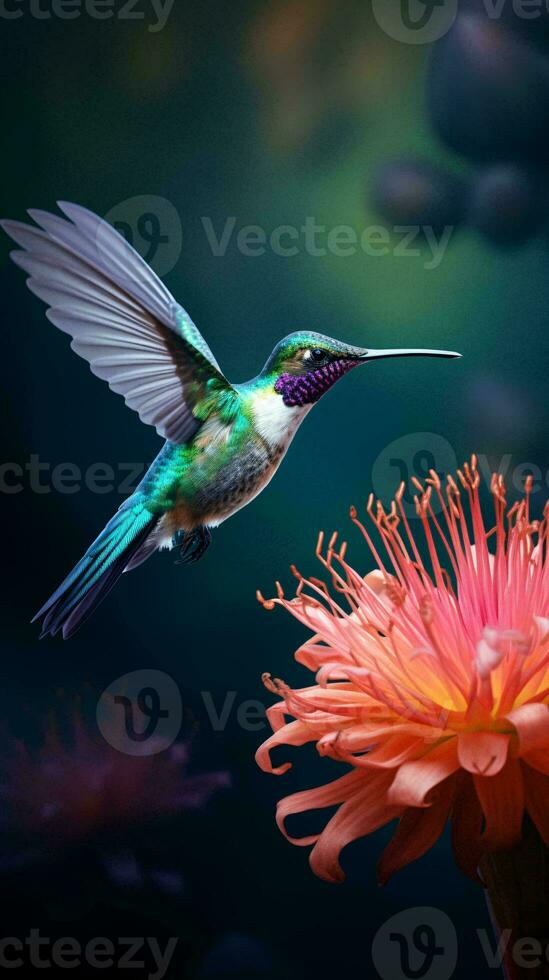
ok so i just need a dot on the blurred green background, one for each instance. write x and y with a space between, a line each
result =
268 113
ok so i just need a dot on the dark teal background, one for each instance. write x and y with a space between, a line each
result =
269 112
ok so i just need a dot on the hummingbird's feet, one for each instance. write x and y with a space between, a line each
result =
192 544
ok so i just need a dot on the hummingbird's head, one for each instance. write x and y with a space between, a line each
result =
305 365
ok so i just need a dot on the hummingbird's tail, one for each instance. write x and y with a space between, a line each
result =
122 544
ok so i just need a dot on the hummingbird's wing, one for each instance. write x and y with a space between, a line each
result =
121 317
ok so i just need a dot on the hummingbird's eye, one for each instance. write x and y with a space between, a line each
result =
317 354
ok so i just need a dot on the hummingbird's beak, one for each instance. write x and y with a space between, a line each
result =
370 355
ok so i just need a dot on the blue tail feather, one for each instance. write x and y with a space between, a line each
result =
99 569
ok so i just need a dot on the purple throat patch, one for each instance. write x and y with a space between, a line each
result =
305 389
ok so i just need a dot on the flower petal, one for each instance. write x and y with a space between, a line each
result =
418 830
467 823
315 799
483 753
532 724
414 780
295 733
537 760
536 791
502 801
365 812
360 737
543 625
321 620
488 658
393 752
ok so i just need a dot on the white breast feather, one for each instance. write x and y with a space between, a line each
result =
275 421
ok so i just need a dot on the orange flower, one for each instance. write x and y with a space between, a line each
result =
432 682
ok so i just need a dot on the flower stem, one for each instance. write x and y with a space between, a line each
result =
517 886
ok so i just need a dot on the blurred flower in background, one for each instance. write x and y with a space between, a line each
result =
320 66
412 192
487 100
74 800
70 792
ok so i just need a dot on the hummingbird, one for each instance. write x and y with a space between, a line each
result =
223 441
